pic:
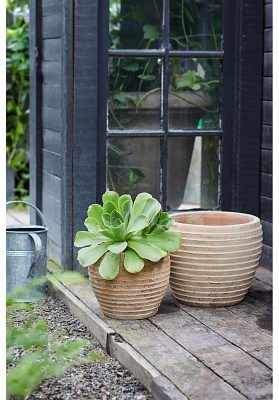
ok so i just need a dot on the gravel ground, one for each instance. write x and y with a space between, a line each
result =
103 379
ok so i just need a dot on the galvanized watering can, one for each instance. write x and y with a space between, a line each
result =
26 255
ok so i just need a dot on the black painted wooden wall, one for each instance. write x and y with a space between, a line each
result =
63 109
266 140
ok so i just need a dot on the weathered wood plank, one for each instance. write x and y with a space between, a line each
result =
51 162
50 7
267 89
261 291
267 232
51 26
53 251
51 96
266 139
212 346
267 113
268 64
188 374
267 257
52 140
268 39
54 233
51 118
52 185
266 185
51 49
222 321
52 206
268 16
266 161
266 208
51 72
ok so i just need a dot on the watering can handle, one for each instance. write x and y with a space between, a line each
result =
31 205
38 250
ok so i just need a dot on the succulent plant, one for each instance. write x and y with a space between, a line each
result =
138 229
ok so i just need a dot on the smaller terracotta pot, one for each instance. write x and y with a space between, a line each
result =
131 296
217 260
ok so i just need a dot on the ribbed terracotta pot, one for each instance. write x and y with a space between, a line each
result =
132 296
218 257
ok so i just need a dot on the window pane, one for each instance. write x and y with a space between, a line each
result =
193 172
134 100
133 166
195 24
194 93
135 24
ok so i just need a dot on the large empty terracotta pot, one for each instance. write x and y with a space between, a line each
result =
132 296
217 260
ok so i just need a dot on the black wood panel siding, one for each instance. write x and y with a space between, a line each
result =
266 257
85 117
54 251
52 207
267 88
266 185
52 185
51 49
54 231
51 72
51 26
50 7
52 140
52 163
267 232
51 118
266 140
51 96
266 208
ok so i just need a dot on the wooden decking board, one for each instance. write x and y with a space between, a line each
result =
236 331
184 370
206 353
227 360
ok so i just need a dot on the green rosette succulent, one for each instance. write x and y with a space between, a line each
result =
138 229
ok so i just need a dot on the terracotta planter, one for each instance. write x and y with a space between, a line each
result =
217 260
132 296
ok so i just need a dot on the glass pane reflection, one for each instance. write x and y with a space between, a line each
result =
194 93
193 173
135 24
133 166
134 100
196 24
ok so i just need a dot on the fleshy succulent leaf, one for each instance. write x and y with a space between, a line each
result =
117 247
126 207
140 222
84 238
119 231
145 250
89 255
116 214
109 266
122 200
132 261
96 211
111 196
109 207
151 209
138 206
92 224
106 219
168 240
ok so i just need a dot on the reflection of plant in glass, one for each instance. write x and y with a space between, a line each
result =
121 176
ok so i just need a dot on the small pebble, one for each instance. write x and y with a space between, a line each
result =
104 379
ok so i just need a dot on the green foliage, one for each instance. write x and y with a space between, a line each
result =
17 121
138 229
41 355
